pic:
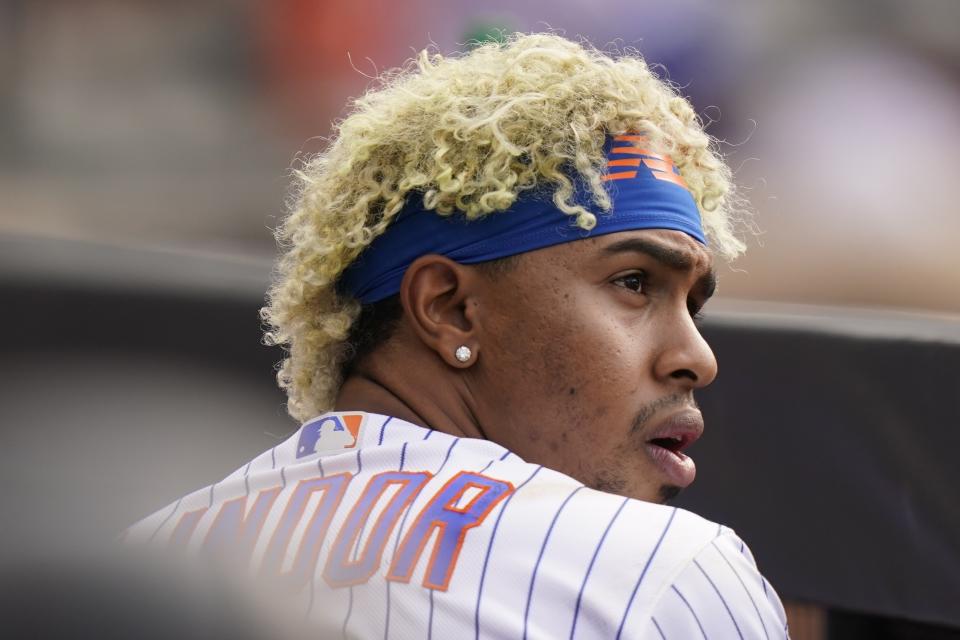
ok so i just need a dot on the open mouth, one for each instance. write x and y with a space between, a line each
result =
667 454
669 440
673 444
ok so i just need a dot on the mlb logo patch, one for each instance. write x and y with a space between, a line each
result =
330 433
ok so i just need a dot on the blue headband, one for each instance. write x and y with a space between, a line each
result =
645 188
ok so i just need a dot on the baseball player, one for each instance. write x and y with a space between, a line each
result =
488 295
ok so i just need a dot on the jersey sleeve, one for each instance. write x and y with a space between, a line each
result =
719 594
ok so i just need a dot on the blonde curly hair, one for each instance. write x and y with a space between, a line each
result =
469 133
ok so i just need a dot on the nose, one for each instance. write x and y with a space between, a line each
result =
685 357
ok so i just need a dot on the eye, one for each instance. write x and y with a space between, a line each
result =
635 281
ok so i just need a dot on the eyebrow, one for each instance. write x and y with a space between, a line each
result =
670 257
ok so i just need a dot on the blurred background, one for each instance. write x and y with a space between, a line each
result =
145 150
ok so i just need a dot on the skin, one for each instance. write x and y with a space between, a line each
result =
580 352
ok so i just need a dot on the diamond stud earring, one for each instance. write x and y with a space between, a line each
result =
463 353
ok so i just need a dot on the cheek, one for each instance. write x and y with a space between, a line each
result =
564 362
607 356
589 377
564 353
537 359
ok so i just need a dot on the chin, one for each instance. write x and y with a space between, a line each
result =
667 493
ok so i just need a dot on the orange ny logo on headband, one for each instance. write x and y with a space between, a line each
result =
661 167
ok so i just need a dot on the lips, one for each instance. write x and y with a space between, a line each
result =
668 439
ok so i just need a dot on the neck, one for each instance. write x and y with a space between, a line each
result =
435 398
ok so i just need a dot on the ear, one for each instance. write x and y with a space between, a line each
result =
439 300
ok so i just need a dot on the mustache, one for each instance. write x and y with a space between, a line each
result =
666 402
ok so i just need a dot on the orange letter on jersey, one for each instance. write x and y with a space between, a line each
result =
333 488
340 570
235 530
453 521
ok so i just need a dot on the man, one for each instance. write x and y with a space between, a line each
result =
488 295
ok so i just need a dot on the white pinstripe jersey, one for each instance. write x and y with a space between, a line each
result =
383 529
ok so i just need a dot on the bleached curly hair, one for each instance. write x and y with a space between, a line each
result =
469 133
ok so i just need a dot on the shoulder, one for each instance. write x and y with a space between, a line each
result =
654 536
517 545
720 592
600 565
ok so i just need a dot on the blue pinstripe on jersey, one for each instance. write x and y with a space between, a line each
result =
356 548
165 520
486 558
246 477
536 566
396 543
403 522
586 576
719 595
346 620
744 585
430 618
692 612
306 615
643 573
386 625
659 630
382 428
